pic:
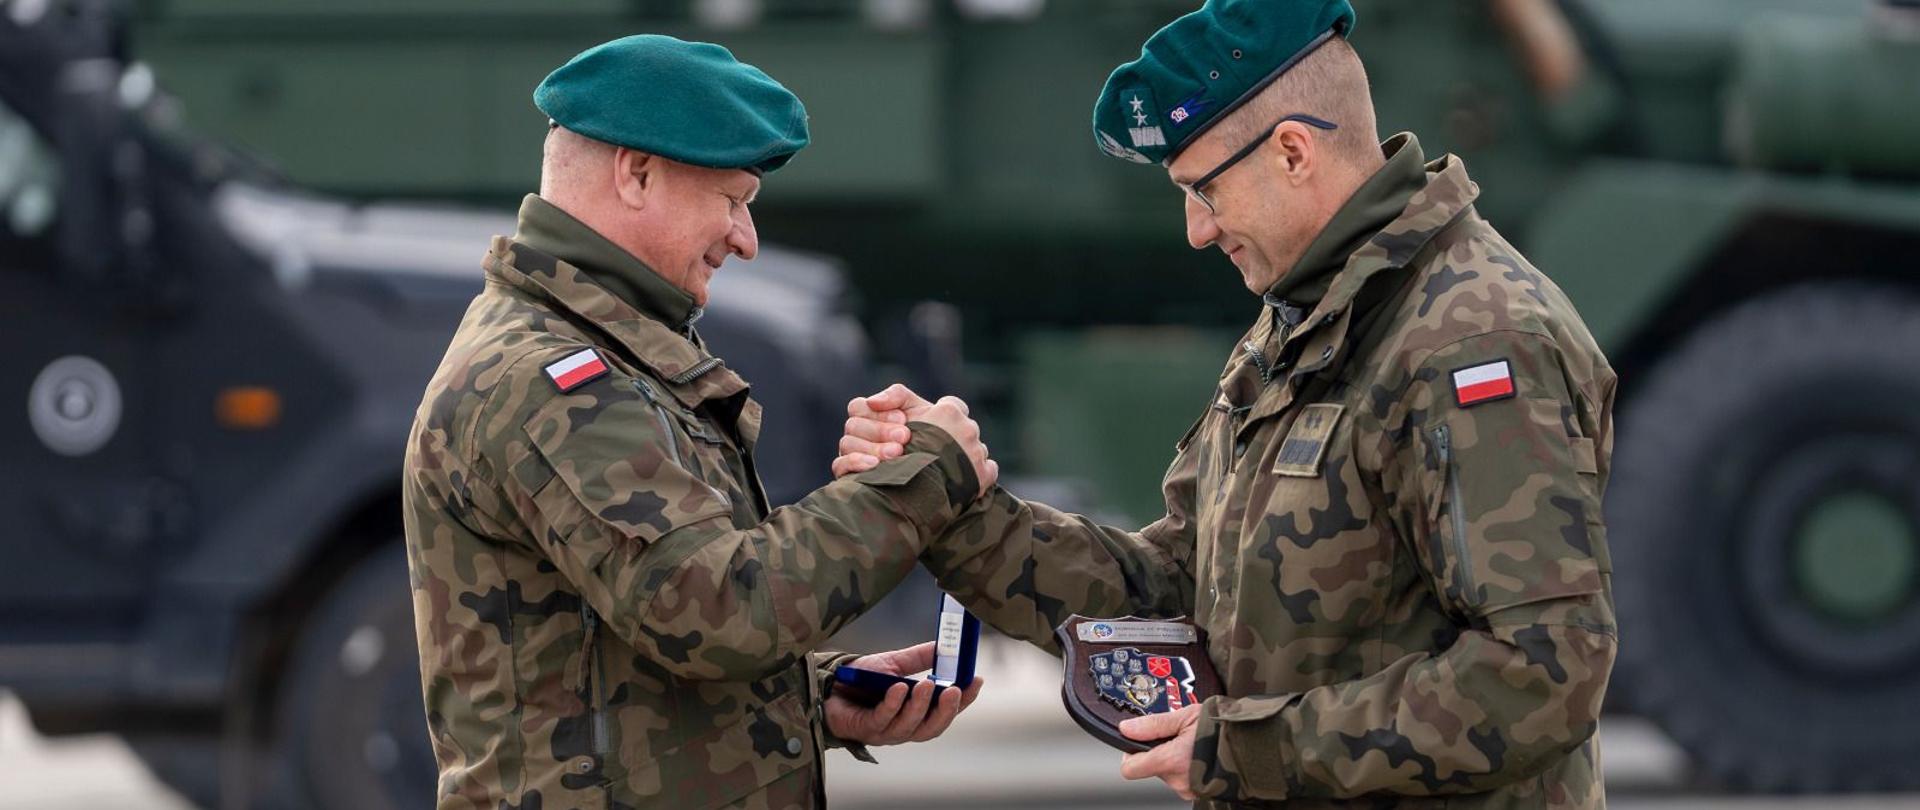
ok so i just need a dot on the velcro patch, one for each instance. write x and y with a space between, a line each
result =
1485 382
1306 441
576 370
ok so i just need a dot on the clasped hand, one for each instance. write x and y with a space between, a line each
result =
877 431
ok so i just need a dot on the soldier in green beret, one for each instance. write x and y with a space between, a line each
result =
1387 516
609 613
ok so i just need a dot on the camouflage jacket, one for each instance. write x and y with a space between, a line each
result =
609 615
1407 597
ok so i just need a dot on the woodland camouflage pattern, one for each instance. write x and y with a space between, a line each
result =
1428 621
608 614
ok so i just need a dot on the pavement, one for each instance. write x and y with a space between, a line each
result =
1014 749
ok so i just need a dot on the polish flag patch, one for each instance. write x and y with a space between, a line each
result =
1483 383
576 370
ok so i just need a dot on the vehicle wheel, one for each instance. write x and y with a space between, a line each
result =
353 728
1764 514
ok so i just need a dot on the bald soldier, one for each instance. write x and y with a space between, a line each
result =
1387 517
609 613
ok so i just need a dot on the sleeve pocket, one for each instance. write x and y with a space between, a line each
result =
564 516
619 473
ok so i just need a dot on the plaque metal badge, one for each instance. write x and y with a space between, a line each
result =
1123 668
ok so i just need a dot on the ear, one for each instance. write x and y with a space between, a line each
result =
1296 151
636 176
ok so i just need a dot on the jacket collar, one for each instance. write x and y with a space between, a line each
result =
676 358
1447 194
1375 204
543 226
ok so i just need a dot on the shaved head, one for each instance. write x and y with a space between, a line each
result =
1330 84
571 165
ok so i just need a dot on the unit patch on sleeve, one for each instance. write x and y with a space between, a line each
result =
1483 383
1306 441
576 370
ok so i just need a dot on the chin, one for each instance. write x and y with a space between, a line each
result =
1254 285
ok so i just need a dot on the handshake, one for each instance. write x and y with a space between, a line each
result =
877 430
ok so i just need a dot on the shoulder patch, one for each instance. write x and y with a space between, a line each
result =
576 370
1485 382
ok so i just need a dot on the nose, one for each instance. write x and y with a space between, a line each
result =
1202 230
744 240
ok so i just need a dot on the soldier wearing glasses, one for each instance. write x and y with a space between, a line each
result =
1387 517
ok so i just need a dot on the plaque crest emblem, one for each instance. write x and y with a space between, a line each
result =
1118 668
1142 683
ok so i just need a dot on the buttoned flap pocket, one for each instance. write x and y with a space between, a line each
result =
719 767
619 461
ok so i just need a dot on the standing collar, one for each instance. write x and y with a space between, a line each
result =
1375 204
1447 194
675 356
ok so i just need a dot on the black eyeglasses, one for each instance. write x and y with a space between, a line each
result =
1197 188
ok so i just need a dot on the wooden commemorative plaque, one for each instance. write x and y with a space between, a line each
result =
1122 668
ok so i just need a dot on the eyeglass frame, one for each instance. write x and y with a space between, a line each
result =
1196 189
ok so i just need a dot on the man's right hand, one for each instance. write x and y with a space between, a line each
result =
877 430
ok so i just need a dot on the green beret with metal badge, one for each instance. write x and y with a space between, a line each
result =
686 101
1203 66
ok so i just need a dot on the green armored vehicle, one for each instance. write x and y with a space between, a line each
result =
1729 189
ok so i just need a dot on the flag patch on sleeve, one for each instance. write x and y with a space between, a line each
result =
1483 383
576 370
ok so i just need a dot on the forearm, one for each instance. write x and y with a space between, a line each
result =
1025 567
711 601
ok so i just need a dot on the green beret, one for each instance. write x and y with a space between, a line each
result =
1203 66
686 101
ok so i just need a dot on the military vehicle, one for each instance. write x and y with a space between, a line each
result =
1727 188
214 374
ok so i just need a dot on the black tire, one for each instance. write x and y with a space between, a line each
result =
352 728
1784 403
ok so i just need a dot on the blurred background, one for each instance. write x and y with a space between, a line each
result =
235 236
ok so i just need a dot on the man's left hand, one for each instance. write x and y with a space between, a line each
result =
1169 760
904 715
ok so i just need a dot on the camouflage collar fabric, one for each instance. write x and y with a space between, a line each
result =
546 228
1448 193
693 375
1319 341
1378 202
